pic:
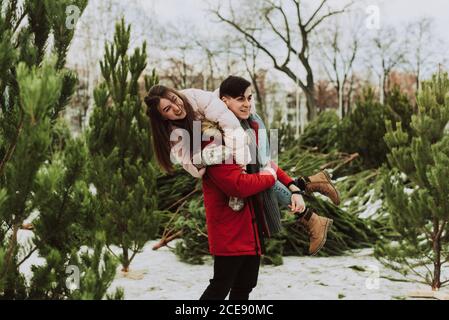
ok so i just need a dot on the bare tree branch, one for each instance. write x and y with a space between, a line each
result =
287 39
259 45
315 13
322 18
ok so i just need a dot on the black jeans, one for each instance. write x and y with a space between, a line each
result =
237 274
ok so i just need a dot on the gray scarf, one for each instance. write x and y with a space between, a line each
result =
270 204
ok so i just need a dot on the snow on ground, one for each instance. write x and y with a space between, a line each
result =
371 209
357 275
299 278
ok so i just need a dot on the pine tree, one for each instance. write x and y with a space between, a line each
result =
66 223
321 132
98 271
121 166
363 130
41 167
417 188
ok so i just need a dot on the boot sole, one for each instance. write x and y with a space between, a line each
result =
328 225
333 187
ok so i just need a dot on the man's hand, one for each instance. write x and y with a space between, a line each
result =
298 204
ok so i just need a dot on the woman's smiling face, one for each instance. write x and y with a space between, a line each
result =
172 107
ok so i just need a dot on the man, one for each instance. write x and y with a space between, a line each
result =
236 93
236 238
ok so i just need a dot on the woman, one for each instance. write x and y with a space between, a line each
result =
169 110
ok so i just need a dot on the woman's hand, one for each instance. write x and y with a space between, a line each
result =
298 204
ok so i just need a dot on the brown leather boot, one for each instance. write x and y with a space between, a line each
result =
317 227
321 182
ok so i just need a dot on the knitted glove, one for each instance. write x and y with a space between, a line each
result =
236 204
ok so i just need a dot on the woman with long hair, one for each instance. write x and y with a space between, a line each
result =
173 114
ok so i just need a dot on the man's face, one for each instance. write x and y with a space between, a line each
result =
240 106
172 108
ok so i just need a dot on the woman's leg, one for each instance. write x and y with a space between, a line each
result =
283 194
321 183
316 226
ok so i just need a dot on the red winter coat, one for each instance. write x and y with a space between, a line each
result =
233 233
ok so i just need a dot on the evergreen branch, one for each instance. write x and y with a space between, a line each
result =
393 267
135 251
440 231
13 145
8 227
167 235
444 282
168 239
425 265
184 198
397 280
26 257
19 21
350 158
200 232
411 268
112 252
10 251
176 212
428 234
447 257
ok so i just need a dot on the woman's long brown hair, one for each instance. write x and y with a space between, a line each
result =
161 128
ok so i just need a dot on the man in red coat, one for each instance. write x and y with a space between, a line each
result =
236 238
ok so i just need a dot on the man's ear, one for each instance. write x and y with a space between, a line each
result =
224 99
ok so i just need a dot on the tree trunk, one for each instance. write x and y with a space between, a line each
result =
417 80
260 103
311 104
436 283
349 96
125 262
382 89
341 111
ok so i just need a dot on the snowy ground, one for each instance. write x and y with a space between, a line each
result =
357 275
298 278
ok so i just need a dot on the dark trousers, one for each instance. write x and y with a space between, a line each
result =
237 274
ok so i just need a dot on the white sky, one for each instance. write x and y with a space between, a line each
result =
392 11
192 15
